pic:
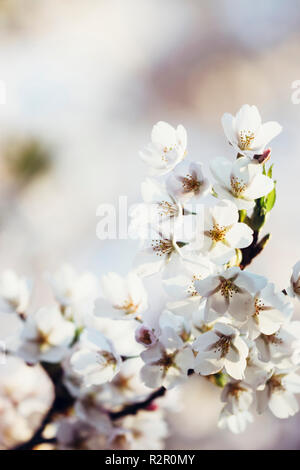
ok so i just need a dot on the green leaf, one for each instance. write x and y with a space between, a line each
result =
270 171
270 200
220 379
258 218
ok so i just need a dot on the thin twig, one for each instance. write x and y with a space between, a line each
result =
134 408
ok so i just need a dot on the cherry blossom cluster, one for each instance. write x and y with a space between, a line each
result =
114 353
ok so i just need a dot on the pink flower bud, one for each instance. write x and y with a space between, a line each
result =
152 407
145 336
264 157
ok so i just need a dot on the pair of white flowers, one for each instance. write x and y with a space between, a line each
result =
245 132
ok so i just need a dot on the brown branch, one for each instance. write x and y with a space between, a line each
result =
62 405
38 438
62 402
58 406
134 408
253 250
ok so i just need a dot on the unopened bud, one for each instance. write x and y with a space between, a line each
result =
263 157
145 336
295 281
152 407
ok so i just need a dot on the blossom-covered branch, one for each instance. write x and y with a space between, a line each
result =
116 355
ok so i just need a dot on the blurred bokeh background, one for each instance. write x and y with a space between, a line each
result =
85 81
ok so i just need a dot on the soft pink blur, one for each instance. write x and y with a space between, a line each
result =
90 78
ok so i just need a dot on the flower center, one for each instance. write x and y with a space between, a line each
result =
235 389
107 357
122 382
237 186
190 184
185 335
222 345
218 233
271 339
166 361
258 307
296 287
119 442
227 288
191 289
128 306
275 383
246 139
43 340
162 247
167 208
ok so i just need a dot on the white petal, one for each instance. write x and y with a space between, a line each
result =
152 375
283 404
221 170
267 132
241 305
207 285
239 236
205 340
205 364
262 400
228 123
251 282
236 369
261 185
225 213
248 119
163 134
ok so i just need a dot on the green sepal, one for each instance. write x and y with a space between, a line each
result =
220 379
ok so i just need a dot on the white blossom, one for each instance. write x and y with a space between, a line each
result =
46 336
167 148
246 133
69 287
159 207
223 232
14 292
278 394
123 298
146 430
145 335
230 291
235 422
76 434
26 394
257 371
222 347
238 396
168 361
187 182
180 286
240 181
281 344
165 252
126 387
294 289
270 310
95 359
